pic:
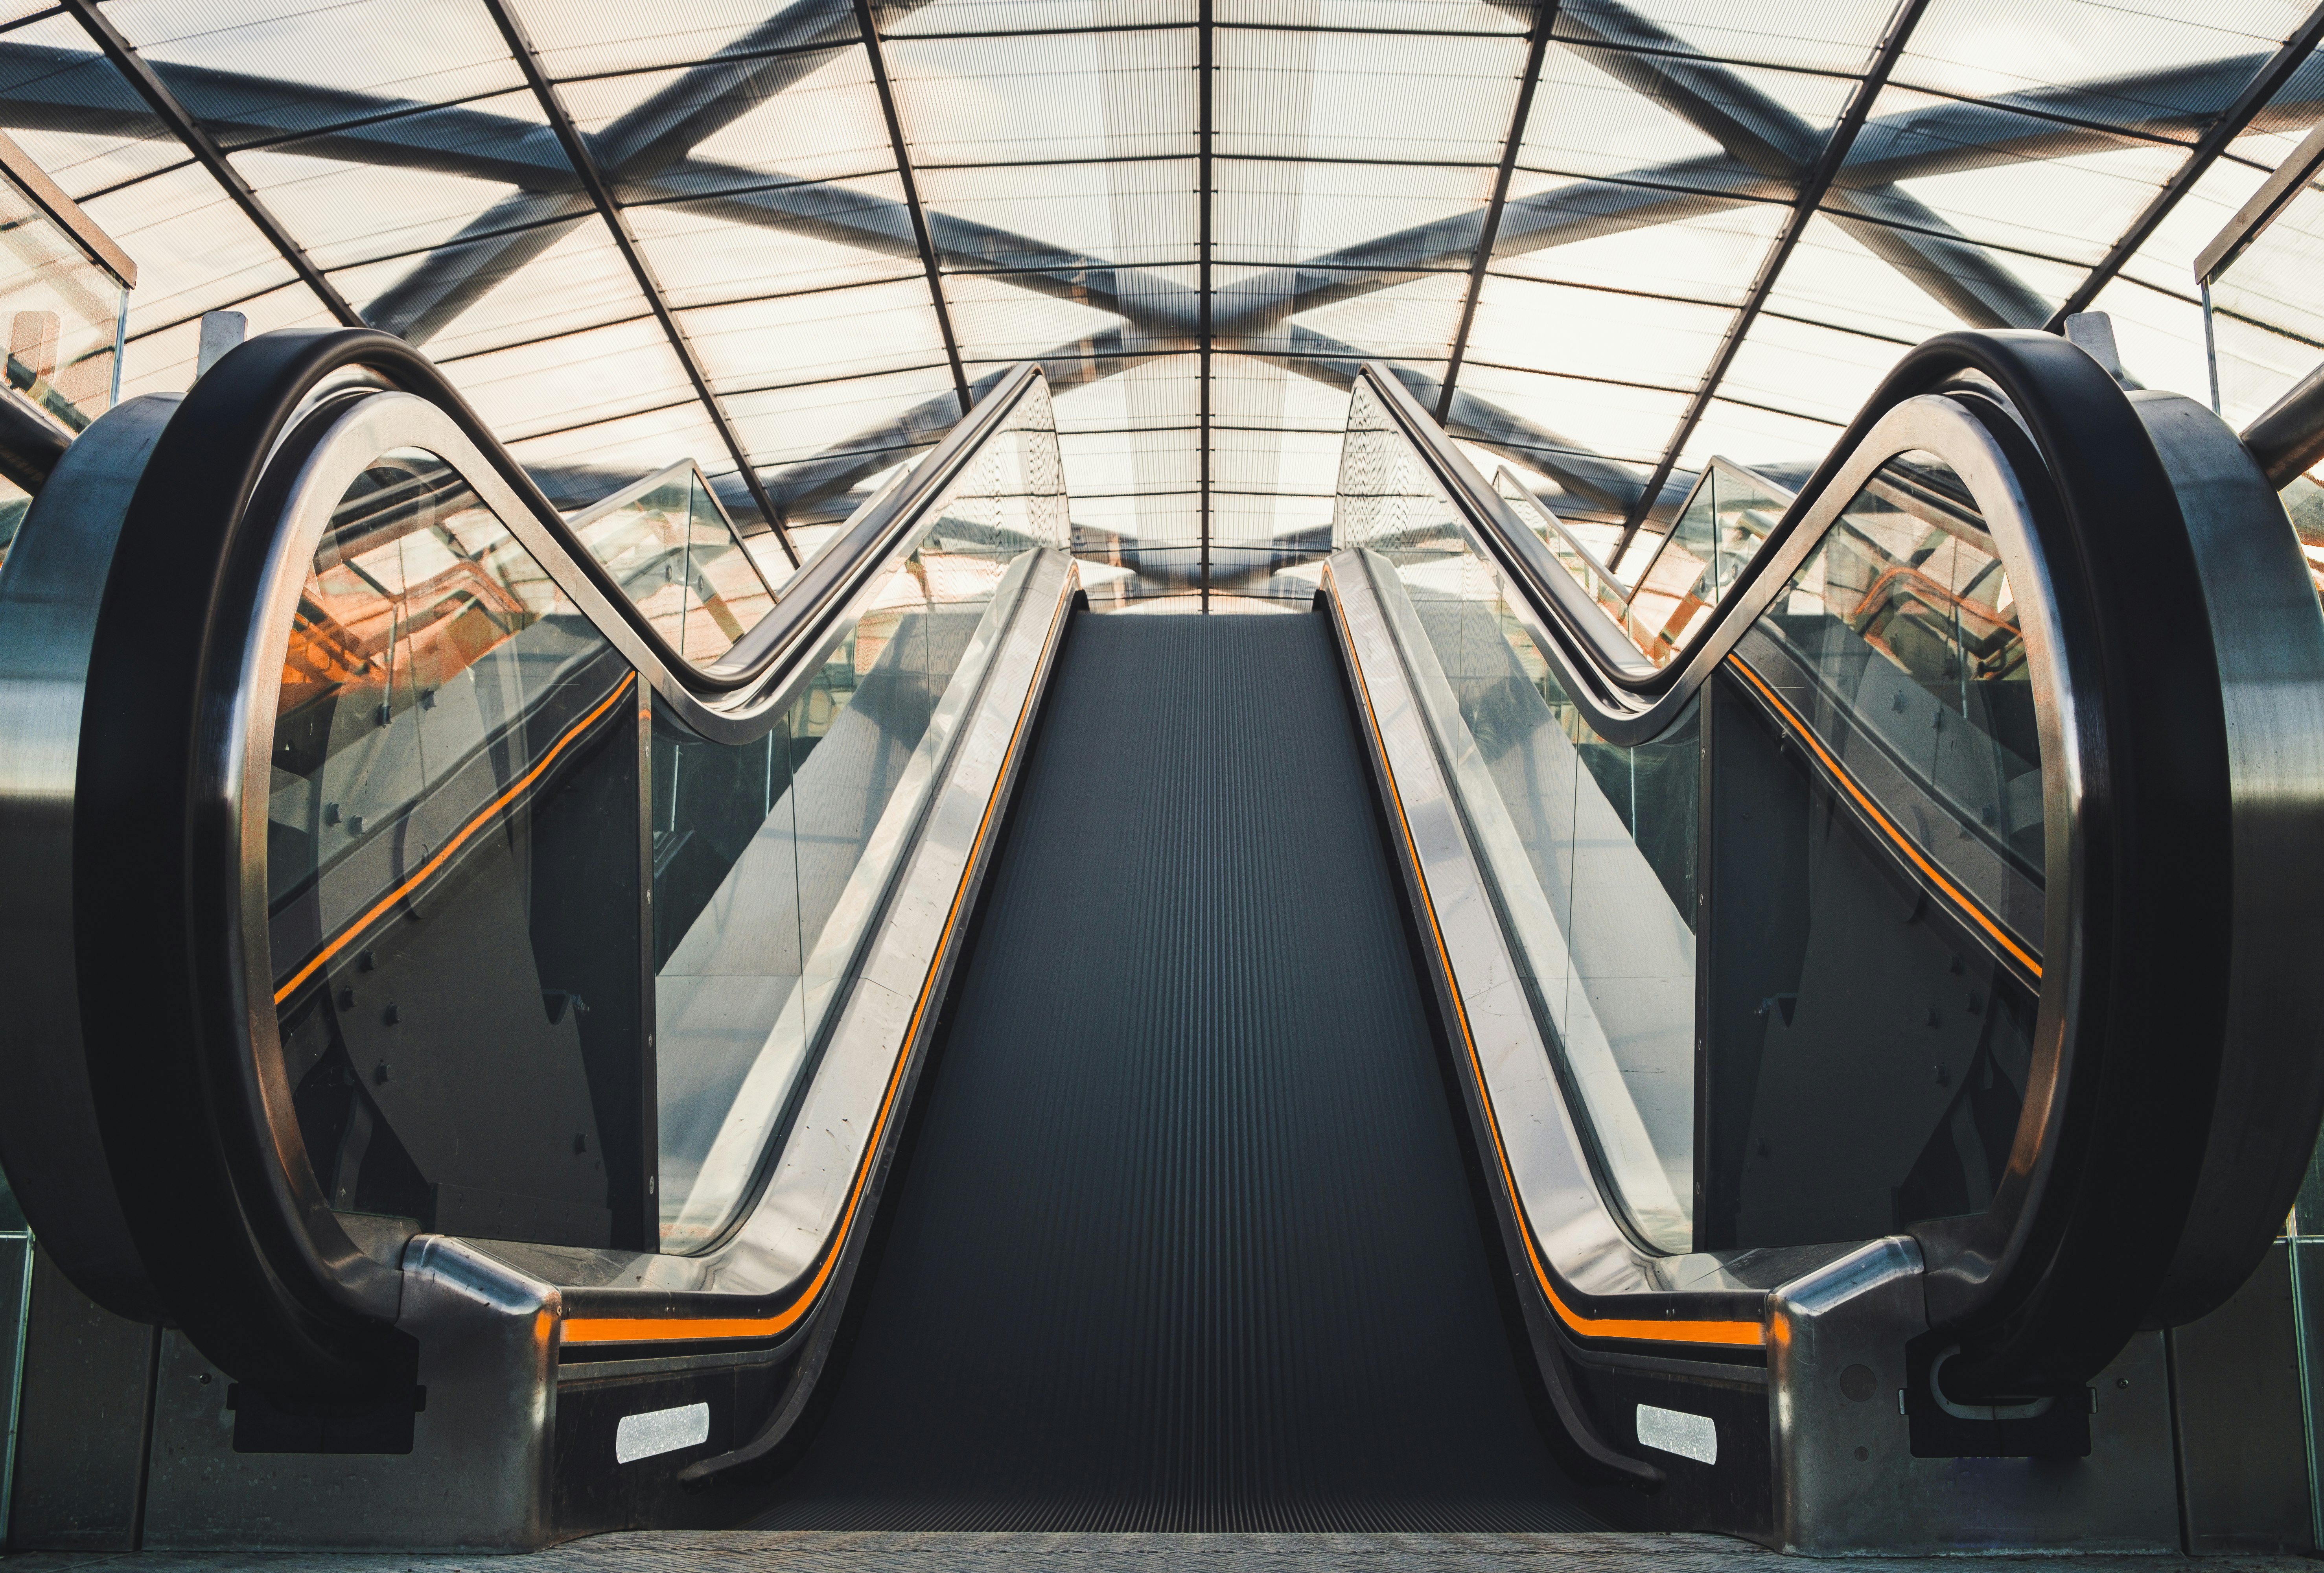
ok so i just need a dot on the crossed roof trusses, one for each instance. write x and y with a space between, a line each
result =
1850 173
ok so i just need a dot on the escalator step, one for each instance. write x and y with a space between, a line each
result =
1185 1240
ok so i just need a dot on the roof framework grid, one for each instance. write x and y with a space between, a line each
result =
1813 188
208 155
885 82
2230 124
592 179
1344 221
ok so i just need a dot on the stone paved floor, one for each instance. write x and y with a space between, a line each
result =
837 1551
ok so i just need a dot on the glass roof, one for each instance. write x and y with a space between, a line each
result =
1605 238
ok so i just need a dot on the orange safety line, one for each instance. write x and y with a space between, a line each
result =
1976 913
467 830
1673 1331
647 1329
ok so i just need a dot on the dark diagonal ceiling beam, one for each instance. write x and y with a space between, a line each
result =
1818 182
1545 17
1777 144
869 26
701 101
2231 123
44 89
584 166
207 153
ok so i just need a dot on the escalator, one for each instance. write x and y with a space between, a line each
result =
1754 1041
1186 1240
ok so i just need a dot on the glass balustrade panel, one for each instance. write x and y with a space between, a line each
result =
1875 881
454 875
771 859
1591 845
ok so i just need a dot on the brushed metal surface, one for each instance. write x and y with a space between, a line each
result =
2259 609
1846 1481
50 596
478 1473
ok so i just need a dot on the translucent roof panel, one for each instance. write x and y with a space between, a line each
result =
840 233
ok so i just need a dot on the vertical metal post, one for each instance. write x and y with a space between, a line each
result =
16 1376
2211 360
1206 69
2294 1247
649 1111
120 345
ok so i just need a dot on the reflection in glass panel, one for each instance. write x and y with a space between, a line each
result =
1598 581
453 875
1592 845
1877 803
15 502
770 858
61 313
1720 530
668 544
2303 500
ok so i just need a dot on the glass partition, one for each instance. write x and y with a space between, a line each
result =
669 544
771 859
63 315
15 1312
1876 880
453 878
1721 529
549 965
1827 874
1587 571
1591 845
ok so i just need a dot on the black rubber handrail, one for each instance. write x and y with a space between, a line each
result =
2076 423
270 377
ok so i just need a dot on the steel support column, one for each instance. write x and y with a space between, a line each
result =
1206 68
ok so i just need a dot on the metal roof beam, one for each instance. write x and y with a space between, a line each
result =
585 165
49 94
701 101
1544 16
207 153
869 26
2199 158
1778 143
1818 183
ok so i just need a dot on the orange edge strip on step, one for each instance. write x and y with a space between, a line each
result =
467 830
1673 1331
1974 913
662 1329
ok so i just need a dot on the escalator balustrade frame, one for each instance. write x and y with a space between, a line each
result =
218 511
2141 793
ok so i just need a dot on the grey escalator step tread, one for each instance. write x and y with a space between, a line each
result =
1185 1240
